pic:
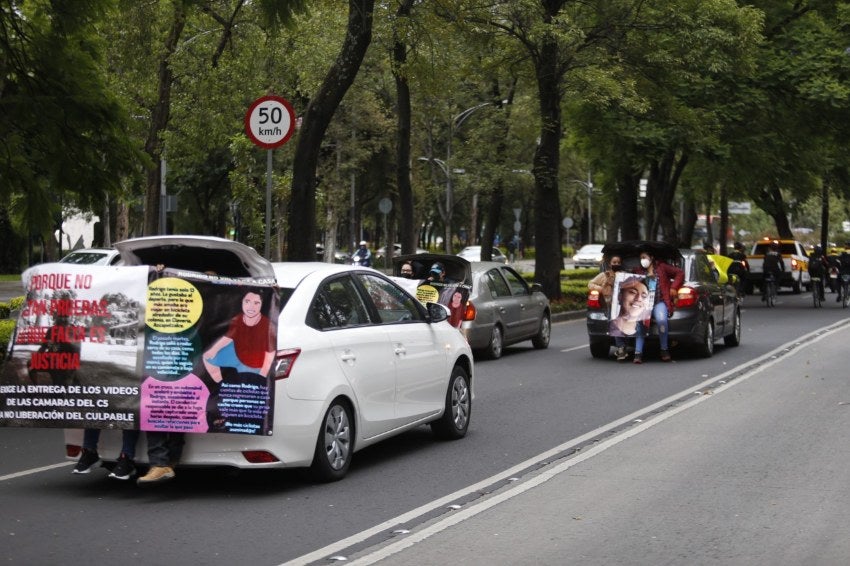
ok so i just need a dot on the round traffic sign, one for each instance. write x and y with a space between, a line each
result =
567 222
385 205
270 121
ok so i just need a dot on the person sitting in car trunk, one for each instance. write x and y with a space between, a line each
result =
665 280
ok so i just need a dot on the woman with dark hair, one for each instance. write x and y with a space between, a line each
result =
664 279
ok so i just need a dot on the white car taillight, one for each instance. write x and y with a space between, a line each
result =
284 360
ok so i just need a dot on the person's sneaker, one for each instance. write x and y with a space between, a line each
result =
86 462
123 469
638 358
621 354
157 474
665 356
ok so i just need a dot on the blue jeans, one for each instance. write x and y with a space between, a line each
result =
91 437
659 313
165 448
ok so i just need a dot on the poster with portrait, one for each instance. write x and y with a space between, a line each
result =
131 348
451 295
631 304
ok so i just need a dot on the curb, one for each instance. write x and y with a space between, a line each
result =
568 315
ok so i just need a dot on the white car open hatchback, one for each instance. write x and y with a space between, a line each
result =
357 359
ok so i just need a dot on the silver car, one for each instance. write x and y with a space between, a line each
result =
501 308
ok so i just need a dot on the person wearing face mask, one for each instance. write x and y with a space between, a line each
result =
665 280
604 282
604 285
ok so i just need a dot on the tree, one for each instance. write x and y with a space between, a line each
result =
61 128
301 234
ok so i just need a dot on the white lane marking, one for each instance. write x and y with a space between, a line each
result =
548 474
769 358
583 346
35 471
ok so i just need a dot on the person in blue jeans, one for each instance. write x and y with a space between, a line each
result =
665 280
124 468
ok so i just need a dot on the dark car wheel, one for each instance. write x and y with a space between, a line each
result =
455 420
600 348
706 348
734 339
541 340
334 445
494 348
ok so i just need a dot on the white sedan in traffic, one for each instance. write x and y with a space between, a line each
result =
358 360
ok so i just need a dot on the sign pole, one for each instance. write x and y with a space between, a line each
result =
269 123
269 204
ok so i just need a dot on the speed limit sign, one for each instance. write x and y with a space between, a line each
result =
270 121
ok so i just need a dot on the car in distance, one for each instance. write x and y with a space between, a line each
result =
794 257
589 255
705 310
92 256
382 251
358 360
473 253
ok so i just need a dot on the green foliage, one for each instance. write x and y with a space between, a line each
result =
7 328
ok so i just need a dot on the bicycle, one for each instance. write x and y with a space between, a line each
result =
845 288
769 293
817 291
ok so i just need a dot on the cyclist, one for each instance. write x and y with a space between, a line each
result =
843 269
772 267
818 266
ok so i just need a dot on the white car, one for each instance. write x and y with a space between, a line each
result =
382 251
589 256
92 256
358 360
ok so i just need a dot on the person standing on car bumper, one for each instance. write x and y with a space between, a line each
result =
668 278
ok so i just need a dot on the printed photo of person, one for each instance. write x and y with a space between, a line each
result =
633 304
240 361
247 346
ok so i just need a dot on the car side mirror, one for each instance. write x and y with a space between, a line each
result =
536 288
437 312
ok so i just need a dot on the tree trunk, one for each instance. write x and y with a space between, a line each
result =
724 221
824 216
402 87
549 260
159 121
774 205
301 233
629 220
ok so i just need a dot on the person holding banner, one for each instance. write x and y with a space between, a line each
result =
124 468
665 279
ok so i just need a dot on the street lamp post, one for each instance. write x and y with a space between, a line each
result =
454 125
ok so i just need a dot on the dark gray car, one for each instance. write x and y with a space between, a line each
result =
706 310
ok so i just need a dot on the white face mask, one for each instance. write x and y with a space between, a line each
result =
645 263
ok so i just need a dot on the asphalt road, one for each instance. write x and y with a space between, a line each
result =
532 410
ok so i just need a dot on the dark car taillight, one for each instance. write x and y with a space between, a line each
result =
687 297
469 311
284 360
594 300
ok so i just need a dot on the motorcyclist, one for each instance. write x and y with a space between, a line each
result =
362 256
818 266
772 267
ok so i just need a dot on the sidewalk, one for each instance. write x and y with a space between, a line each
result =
751 472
